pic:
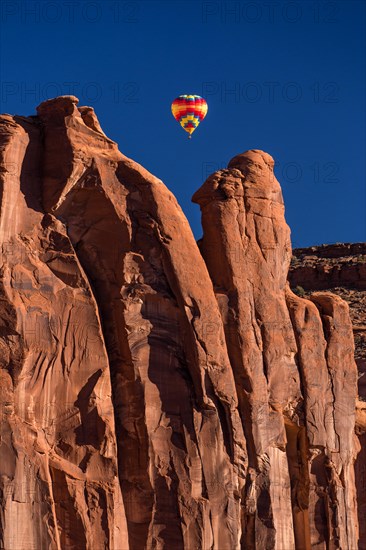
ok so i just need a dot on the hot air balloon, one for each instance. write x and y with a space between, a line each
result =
189 111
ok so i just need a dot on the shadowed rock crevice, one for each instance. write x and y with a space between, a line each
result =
297 457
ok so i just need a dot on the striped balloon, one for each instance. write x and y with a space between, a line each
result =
189 111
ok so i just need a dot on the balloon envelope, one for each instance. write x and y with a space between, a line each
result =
189 111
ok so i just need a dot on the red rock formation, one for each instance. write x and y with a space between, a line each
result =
339 268
153 397
293 365
59 484
246 241
181 449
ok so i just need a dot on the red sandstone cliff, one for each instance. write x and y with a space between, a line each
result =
155 394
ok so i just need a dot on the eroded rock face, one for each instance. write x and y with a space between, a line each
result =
154 395
340 268
246 241
118 256
59 475
293 365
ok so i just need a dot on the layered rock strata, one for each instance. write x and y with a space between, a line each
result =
329 266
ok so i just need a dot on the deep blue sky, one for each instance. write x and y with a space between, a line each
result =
285 77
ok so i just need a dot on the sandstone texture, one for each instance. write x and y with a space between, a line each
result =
158 393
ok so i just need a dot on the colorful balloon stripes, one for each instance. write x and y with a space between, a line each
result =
189 111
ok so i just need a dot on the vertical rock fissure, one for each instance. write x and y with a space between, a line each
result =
299 476
296 451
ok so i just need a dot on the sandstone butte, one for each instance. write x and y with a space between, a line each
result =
158 393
